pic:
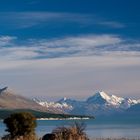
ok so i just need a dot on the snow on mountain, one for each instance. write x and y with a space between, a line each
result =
138 101
99 104
118 102
98 98
73 103
54 105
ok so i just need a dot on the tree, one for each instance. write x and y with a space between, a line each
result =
20 124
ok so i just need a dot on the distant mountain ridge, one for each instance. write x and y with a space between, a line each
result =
10 100
99 104
11 103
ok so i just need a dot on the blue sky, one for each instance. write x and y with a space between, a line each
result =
52 18
70 48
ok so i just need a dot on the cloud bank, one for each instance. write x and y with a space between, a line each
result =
76 66
75 46
76 77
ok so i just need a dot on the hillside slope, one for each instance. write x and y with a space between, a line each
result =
9 100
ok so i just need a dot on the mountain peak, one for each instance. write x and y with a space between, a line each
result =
103 95
99 98
65 98
3 90
100 103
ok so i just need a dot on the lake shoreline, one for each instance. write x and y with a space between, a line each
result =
71 118
55 119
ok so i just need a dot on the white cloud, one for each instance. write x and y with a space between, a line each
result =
65 47
103 62
89 41
6 40
17 53
88 45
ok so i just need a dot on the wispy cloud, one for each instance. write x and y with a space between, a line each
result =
89 45
33 19
112 24
6 40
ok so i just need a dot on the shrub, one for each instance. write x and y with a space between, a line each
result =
75 132
20 125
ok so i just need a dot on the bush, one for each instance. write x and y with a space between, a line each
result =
75 132
20 125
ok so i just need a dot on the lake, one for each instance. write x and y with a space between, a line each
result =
94 128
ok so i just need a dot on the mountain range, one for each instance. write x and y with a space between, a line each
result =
11 103
100 104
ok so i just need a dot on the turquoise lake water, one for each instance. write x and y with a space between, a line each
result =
94 128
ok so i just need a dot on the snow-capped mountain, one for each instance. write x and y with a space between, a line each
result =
114 101
99 104
70 102
62 107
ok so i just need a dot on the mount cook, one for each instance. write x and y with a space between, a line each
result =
99 104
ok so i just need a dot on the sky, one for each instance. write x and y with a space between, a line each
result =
73 48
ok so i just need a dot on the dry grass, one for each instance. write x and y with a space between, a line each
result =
28 137
75 132
59 137
115 139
